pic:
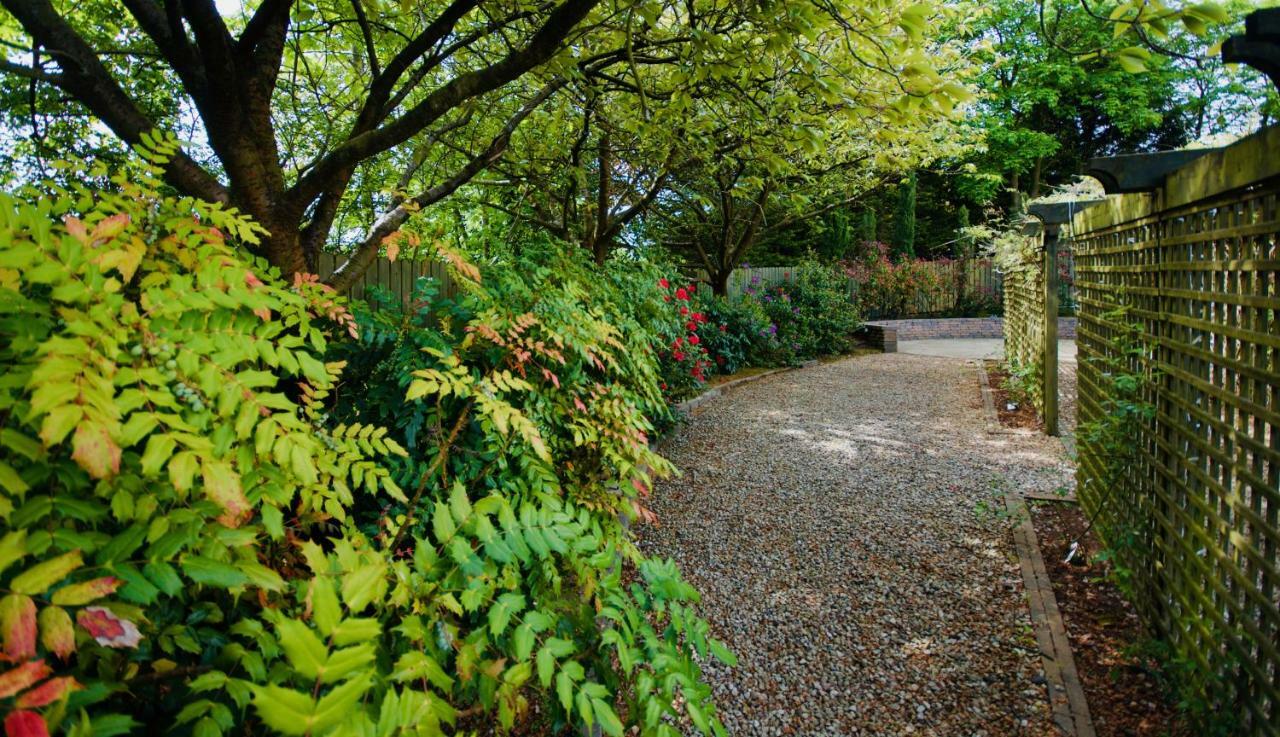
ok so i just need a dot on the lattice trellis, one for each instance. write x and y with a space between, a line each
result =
1024 317
1202 279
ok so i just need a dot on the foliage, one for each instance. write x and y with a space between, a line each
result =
1021 382
868 227
837 236
682 352
526 404
812 315
737 334
163 457
904 220
888 289
188 536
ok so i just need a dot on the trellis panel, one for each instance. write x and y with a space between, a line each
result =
1201 277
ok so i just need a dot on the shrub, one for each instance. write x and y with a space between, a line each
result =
885 289
813 315
188 537
529 402
680 330
737 333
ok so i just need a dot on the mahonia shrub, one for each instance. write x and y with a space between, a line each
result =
526 403
184 540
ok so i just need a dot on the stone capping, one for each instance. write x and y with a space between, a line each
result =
944 328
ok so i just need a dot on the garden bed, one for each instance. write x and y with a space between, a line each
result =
1123 688
1023 414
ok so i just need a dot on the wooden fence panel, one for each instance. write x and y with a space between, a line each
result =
1199 272
398 277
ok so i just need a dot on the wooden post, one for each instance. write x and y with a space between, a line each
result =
1050 378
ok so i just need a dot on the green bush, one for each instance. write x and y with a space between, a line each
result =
813 315
190 537
737 332
533 392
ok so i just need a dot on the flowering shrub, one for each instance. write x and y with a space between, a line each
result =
811 316
683 360
208 526
889 289
738 333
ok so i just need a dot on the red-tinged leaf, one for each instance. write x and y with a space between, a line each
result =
110 227
87 591
48 692
578 403
95 451
251 280
23 676
263 312
551 377
56 632
25 724
108 629
640 486
18 626
75 226
393 250
222 485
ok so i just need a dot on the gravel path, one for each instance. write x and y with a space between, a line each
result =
843 525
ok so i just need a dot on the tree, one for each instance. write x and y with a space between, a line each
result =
869 227
305 105
904 220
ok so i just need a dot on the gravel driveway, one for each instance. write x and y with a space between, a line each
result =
842 522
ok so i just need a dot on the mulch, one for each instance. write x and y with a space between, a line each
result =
1126 698
1022 415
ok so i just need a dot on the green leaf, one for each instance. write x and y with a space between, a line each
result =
325 608
212 572
608 720
339 703
11 481
722 653
283 709
302 647
546 665
38 578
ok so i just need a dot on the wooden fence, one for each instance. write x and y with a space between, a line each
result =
397 277
1197 266
1026 316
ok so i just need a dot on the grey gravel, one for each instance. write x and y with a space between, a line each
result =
844 524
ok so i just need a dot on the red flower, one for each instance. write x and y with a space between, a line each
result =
682 294
699 318
677 344
694 340
664 386
684 311
691 326
678 356
664 283
723 327
693 287
720 360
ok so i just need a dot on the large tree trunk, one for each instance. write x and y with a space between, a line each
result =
720 282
